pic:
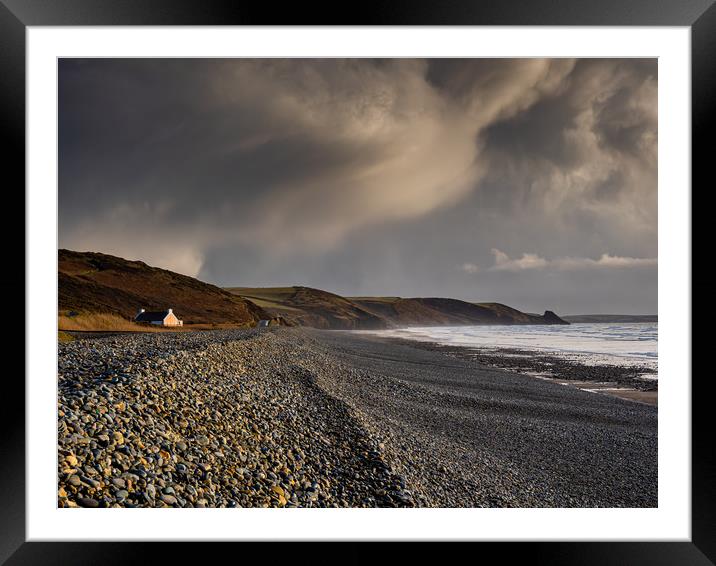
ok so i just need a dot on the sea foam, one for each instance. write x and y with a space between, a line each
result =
627 344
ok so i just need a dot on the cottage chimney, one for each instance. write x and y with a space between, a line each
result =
140 312
170 311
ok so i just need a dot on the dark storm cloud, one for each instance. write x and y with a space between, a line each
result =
364 177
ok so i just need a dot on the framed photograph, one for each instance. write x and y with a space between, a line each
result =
420 276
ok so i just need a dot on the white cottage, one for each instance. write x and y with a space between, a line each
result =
160 318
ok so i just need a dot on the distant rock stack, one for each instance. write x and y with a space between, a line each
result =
551 318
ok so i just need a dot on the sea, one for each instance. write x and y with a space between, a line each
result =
624 344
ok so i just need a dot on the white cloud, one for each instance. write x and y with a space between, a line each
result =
528 261
606 260
470 268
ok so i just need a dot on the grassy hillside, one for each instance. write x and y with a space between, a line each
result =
320 309
311 307
439 311
99 284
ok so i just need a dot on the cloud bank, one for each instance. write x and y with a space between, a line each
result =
303 171
532 261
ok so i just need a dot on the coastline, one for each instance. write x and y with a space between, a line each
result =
298 417
624 382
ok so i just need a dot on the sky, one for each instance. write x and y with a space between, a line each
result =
531 182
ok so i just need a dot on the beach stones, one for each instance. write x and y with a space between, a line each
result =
169 499
224 418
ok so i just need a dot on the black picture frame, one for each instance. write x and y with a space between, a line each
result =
16 15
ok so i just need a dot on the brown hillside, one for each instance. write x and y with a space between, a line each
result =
440 311
311 307
98 283
319 309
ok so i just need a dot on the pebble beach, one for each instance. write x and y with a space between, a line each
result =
288 417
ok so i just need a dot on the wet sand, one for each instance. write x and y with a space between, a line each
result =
613 389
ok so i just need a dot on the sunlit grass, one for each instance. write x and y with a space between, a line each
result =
88 322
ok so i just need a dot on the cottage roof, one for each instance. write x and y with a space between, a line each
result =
151 316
